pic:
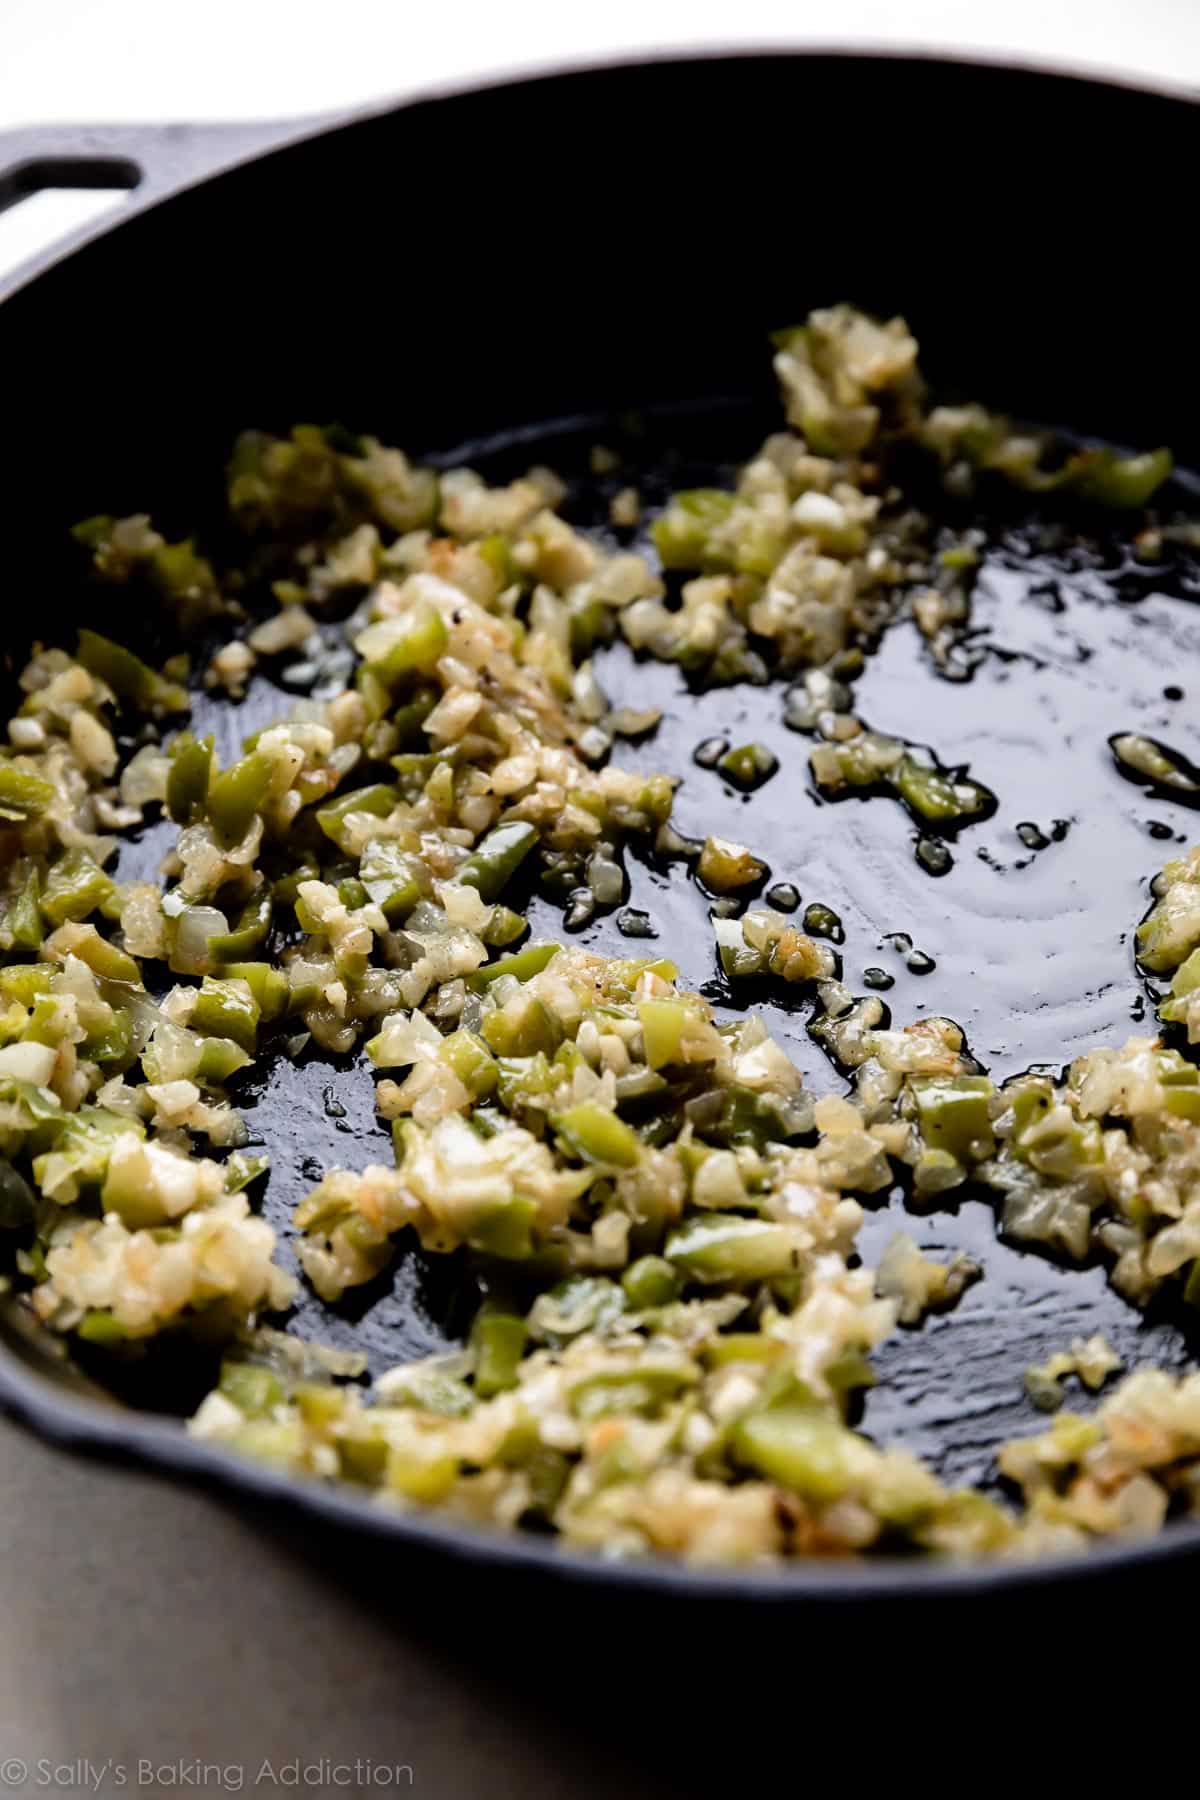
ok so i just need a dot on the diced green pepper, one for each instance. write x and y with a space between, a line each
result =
253 1389
521 964
128 676
253 924
1106 478
241 1168
547 1473
23 920
651 1281
23 982
424 1480
934 798
94 530
363 1456
742 1347
496 551
1055 1147
18 1202
506 1230
394 878
113 1045
725 1247
24 794
406 721
596 1135
504 927
848 1371
411 645
1169 932
954 1116
236 795
268 985
498 1342
220 1057
47 1021
740 960
582 1303
187 778
472 1062
433 1391
1182 1102
36 1102
737 1117
494 860
523 1080
724 866
664 1023
379 800
643 1391
521 1027
748 765
179 572
319 1403
682 533
105 959
1184 983
799 1447
100 1327
75 886
428 772
226 1009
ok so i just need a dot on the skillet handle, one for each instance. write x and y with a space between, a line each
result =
149 161
153 159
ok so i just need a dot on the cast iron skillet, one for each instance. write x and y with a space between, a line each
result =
512 269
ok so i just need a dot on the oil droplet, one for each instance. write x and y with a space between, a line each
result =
1172 693
709 753
1032 836
878 978
1138 1009
783 897
333 1106
934 856
919 964
899 940
1059 829
1157 829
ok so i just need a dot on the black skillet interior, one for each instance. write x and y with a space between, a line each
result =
517 270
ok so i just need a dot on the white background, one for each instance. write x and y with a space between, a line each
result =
103 61
155 59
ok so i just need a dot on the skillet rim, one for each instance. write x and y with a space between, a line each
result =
160 1445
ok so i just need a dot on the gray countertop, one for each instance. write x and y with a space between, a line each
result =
151 1630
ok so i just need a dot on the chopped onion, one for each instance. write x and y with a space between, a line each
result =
145 776
196 925
28 1062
